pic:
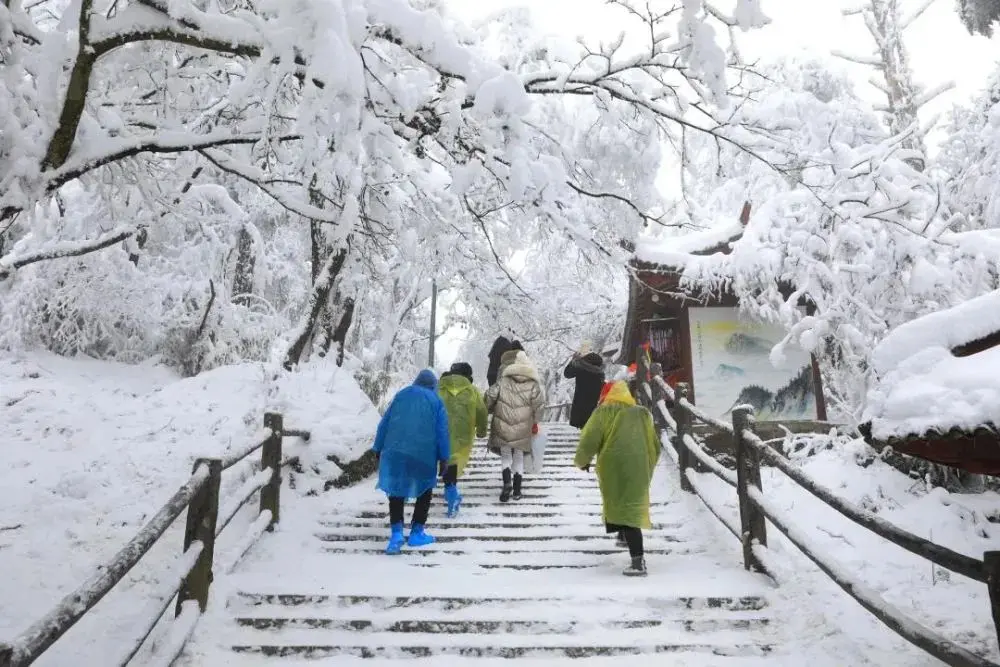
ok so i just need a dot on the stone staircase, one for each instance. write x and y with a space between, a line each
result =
536 579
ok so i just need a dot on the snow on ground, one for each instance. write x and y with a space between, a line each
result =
954 606
92 449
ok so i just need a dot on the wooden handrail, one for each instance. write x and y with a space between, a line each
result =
560 408
939 555
30 644
908 628
200 497
674 413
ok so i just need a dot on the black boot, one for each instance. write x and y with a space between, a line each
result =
517 486
505 493
637 568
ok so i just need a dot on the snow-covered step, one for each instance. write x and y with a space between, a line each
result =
489 537
538 580
485 547
467 520
275 619
456 555
529 647
593 607
638 660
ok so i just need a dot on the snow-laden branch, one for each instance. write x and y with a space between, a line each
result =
917 13
61 249
162 142
259 178
870 61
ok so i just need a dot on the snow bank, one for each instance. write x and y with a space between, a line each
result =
92 449
677 250
923 386
956 607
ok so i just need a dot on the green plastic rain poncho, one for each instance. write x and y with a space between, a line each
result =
467 417
621 435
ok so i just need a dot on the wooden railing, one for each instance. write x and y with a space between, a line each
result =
676 415
192 571
557 412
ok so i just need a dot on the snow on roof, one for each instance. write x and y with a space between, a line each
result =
934 390
677 250
922 386
949 328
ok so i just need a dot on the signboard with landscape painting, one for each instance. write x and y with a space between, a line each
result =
731 366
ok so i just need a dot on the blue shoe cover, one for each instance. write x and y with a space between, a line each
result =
395 540
454 499
418 538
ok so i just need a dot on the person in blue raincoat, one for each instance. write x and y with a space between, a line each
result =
412 444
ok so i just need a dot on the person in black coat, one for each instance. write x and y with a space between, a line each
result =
589 373
500 345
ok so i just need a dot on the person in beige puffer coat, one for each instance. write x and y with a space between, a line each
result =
516 403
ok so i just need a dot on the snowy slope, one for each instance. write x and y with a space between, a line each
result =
92 449
956 607
537 580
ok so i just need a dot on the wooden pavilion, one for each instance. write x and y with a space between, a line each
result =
660 310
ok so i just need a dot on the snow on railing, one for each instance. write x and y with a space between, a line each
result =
675 415
191 574
560 410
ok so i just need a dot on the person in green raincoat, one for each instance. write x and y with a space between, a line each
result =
467 420
622 437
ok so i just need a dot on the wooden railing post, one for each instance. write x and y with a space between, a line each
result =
657 396
641 375
991 565
202 515
683 419
752 524
270 457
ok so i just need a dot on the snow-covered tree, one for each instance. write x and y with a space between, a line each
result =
969 161
840 214
180 130
904 97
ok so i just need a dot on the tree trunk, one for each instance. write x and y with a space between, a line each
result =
246 261
339 334
318 301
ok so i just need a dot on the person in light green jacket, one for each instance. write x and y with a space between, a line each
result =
622 437
466 420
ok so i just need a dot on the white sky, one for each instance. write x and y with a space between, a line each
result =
940 48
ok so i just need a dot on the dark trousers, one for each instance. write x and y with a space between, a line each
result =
633 538
420 508
451 475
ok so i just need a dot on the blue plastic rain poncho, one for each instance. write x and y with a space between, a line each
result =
412 439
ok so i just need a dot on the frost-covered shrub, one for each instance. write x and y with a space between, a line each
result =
174 300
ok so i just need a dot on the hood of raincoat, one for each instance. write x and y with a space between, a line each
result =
426 378
619 393
454 384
